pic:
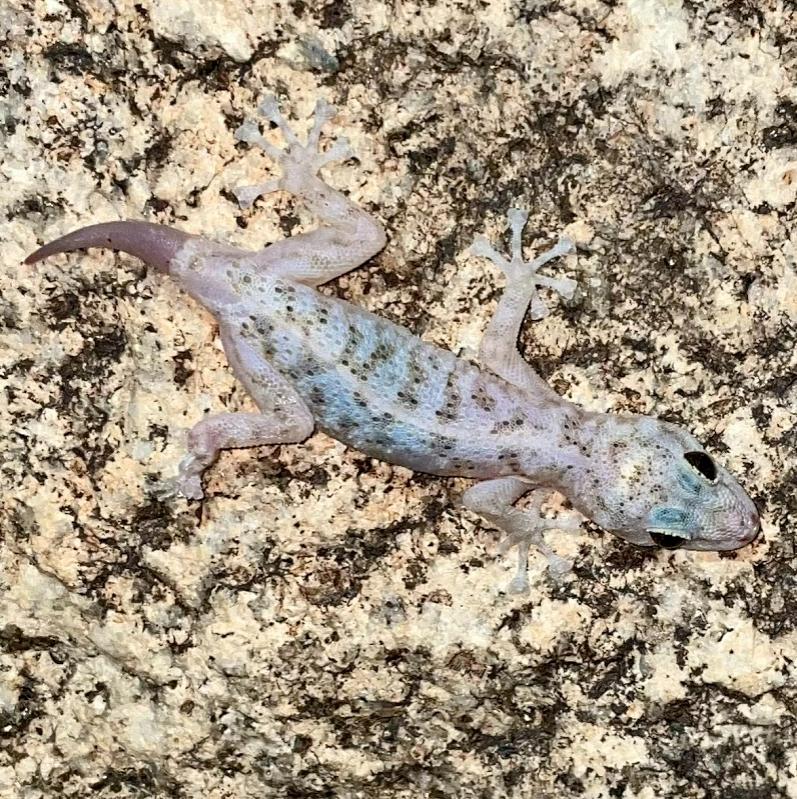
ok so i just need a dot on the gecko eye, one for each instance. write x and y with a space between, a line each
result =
702 464
667 541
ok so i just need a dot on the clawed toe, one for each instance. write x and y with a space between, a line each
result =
246 195
324 112
249 132
188 482
269 108
482 248
558 567
190 487
339 151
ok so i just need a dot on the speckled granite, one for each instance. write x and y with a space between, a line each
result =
325 625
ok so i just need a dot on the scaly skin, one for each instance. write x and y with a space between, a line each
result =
314 361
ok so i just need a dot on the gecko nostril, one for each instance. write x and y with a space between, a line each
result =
754 522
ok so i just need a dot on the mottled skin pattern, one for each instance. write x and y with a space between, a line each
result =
376 387
313 361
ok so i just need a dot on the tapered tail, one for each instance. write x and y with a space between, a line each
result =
156 245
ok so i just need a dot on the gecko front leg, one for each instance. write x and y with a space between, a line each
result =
498 350
494 500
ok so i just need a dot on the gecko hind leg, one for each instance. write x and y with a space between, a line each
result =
283 419
230 430
498 350
349 235
494 500
297 160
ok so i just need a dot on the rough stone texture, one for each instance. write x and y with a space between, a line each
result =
329 626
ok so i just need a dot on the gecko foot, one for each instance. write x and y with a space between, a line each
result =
520 272
529 534
187 486
187 483
558 566
297 161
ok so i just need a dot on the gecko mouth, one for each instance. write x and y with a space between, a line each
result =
666 541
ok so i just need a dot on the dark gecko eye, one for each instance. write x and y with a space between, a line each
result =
702 464
667 541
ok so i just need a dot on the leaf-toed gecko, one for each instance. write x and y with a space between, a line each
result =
310 360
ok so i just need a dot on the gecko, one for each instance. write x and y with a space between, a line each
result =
312 361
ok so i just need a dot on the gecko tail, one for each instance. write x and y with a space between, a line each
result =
156 245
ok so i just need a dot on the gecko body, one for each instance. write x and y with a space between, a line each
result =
376 387
312 361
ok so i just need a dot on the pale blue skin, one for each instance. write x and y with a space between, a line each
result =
310 361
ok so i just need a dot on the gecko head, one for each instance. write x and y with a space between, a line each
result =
657 486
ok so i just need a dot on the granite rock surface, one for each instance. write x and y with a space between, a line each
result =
324 625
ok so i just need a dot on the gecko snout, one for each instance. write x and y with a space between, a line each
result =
753 526
748 525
